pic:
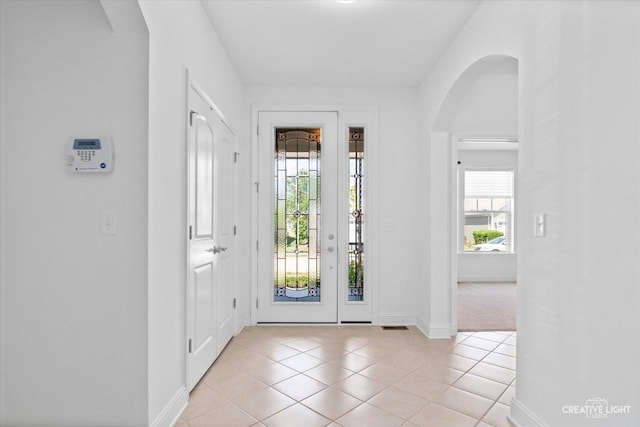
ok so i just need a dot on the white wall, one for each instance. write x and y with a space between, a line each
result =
581 101
490 106
579 128
181 38
398 182
487 267
73 314
486 104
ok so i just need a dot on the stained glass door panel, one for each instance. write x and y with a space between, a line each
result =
355 289
297 218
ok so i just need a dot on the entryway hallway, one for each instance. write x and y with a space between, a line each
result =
356 376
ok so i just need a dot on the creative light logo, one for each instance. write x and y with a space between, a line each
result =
596 408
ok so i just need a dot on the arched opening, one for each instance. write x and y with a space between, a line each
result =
478 124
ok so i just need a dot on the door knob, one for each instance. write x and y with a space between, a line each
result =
216 249
330 249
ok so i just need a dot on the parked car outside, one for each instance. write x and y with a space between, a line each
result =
499 244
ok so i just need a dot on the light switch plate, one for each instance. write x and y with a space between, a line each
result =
540 225
108 223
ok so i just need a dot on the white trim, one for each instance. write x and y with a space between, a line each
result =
171 413
459 142
372 271
421 325
200 91
397 319
253 258
246 321
361 310
505 279
521 416
187 255
487 146
486 138
436 332
454 228
439 332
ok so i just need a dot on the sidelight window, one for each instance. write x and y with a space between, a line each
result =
356 214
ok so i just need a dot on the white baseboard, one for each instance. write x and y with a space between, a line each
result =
246 320
422 325
241 322
434 331
394 319
439 331
170 414
521 416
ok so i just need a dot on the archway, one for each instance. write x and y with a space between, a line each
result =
480 107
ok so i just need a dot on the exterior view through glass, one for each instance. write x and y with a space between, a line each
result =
356 214
296 249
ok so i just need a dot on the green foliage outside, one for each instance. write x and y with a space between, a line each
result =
297 198
353 273
293 280
483 236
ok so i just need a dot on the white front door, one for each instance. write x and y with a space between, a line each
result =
298 217
210 244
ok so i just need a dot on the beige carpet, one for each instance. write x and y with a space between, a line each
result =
486 306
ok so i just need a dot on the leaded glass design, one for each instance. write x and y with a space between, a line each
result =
356 214
297 214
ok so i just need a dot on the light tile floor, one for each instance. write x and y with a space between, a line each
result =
306 376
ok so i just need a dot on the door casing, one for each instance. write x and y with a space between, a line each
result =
348 116
222 234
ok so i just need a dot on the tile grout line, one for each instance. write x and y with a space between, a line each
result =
362 342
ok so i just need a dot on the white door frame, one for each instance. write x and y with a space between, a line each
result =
191 84
359 115
455 199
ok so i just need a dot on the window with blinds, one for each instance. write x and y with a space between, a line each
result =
488 210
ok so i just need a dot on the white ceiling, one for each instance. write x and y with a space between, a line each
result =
369 43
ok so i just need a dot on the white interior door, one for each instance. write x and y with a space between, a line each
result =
298 217
224 230
210 245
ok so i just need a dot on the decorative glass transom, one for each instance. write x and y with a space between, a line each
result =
356 214
297 215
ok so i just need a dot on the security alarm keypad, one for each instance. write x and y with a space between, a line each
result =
90 155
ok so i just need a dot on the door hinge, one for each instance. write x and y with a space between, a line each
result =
256 245
191 113
235 157
256 302
257 129
234 303
235 230
190 232
257 187
190 345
